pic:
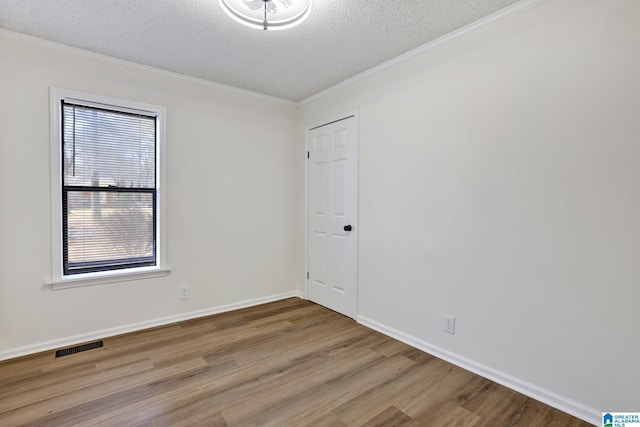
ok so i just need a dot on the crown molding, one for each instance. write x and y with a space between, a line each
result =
99 56
503 14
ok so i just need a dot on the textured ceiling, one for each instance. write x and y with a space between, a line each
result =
341 38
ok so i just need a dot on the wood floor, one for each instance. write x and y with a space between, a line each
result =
287 363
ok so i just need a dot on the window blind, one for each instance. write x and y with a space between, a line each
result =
109 188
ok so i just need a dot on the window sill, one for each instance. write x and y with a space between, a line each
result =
88 280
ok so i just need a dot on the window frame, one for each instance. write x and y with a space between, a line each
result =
59 280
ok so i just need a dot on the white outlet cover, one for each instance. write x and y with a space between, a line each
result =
450 324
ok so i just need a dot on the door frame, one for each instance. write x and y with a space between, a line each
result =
355 233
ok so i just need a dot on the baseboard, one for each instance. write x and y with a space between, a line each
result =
119 330
550 398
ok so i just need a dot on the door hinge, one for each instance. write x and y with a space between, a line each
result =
307 154
307 275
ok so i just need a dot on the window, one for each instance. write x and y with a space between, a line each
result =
107 198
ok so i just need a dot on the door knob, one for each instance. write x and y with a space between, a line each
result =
348 228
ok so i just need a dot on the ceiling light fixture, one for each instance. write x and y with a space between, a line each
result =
267 14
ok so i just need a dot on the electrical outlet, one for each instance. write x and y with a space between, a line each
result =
184 292
450 324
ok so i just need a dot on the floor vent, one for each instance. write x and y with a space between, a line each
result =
78 348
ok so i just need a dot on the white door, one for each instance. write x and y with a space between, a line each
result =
332 197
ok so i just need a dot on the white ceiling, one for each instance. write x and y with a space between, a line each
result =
340 39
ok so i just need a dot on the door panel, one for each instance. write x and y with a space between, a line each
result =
332 195
320 261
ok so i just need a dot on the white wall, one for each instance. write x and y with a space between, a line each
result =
500 183
231 199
